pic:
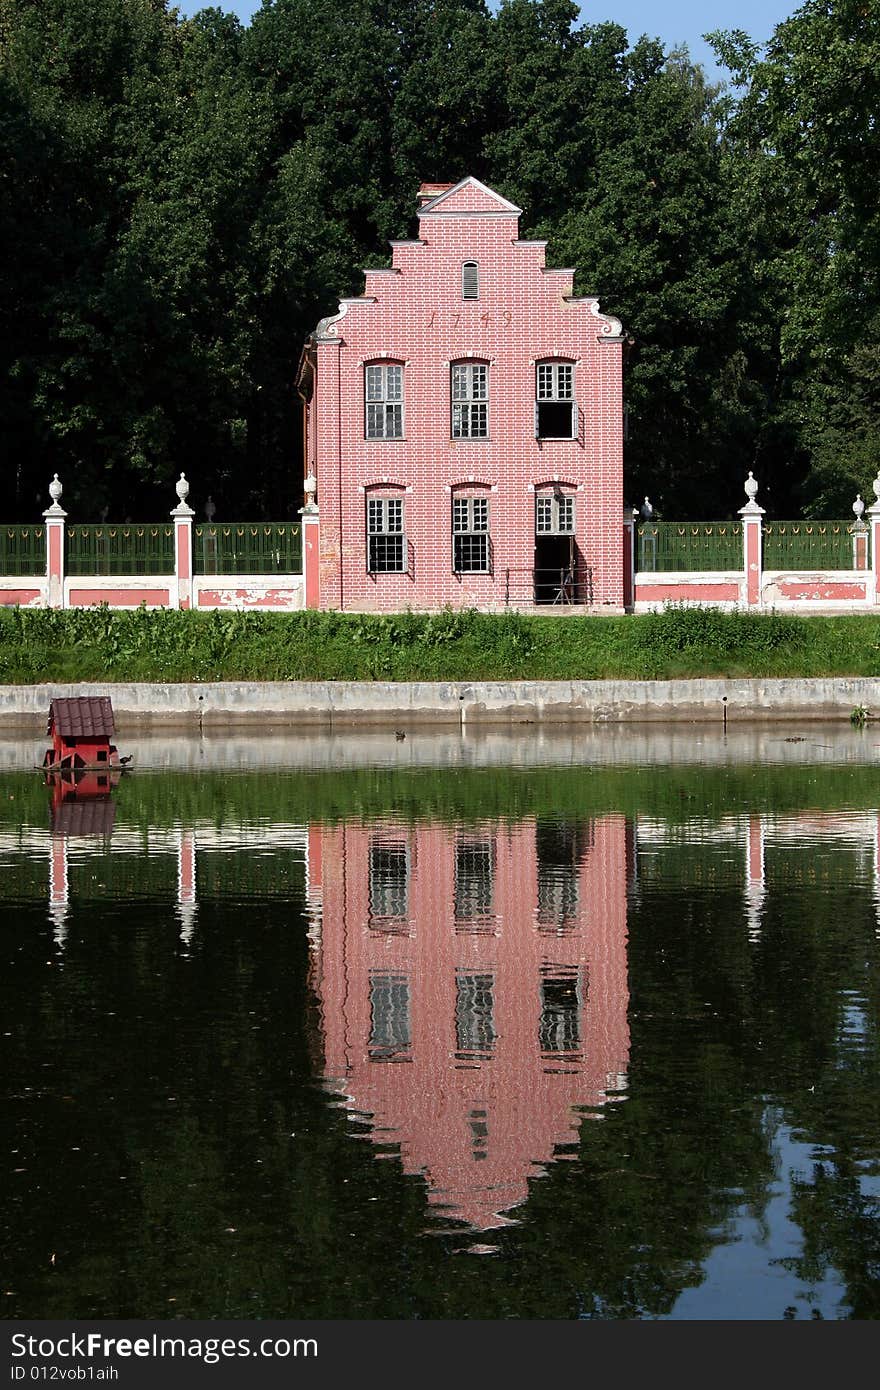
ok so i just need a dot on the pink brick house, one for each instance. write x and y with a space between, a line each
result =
464 426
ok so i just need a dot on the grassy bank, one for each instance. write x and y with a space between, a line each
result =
99 645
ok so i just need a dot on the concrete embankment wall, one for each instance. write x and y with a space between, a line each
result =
331 704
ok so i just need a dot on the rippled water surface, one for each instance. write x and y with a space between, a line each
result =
546 1026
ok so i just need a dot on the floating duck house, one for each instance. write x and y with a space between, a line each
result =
81 728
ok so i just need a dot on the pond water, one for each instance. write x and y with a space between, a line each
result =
572 1024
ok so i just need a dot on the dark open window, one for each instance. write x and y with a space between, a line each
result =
560 1024
555 405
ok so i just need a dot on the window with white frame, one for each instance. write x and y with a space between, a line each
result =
389 882
474 1014
474 882
383 393
470 280
470 535
386 538
555 406
470 400
390 1026
554 514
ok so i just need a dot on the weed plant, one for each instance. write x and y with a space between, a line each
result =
98 644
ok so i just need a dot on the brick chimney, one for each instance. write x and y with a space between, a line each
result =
427 191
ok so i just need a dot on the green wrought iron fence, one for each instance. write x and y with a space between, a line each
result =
237 547
128 549
689 545
22 550
800 545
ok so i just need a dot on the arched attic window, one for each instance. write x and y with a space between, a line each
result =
470 280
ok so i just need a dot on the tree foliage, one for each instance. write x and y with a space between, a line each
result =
182 199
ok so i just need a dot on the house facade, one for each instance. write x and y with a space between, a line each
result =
473 993
464 427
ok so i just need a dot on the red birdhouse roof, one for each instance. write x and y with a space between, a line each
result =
84 817
82 716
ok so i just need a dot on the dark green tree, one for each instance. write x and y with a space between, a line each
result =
805 147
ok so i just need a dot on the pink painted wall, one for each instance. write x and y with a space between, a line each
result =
818 589
279 598
119 598
414 314
696 592
475 1127
23 597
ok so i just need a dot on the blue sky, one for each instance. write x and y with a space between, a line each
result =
674 21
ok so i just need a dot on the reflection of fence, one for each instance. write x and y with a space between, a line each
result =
681 546
22 550
806 545
247 548
128 549
560 587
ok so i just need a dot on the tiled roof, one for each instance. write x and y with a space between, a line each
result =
82 716
84 817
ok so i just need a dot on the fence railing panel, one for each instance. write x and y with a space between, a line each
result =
679 546
807 545
22 550
235 547
123 549
549 585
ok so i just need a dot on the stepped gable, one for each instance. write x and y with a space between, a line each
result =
82 716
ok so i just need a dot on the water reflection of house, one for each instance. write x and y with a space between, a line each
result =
80 805
473 987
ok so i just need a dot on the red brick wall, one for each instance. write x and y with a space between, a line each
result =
414 314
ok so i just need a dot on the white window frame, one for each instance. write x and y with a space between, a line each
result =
386 523
383 400
555 513
554 385
469 397
470 534
389 880
470 280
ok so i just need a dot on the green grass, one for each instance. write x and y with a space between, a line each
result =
97 644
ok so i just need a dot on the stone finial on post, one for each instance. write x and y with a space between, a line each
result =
874 514
183 515
752 530
55 517
859 536
311 542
